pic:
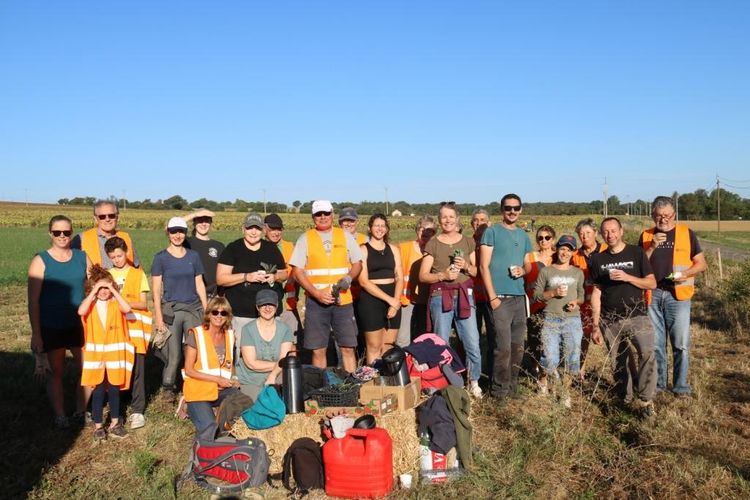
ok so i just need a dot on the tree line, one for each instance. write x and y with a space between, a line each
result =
698 205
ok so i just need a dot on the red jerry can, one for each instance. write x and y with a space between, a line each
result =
359 465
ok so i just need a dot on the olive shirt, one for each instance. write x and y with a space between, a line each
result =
550 278
443 252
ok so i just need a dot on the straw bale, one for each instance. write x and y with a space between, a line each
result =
401 426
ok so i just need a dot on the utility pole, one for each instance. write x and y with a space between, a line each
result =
677 206
718 205
605 198
265 212
387 212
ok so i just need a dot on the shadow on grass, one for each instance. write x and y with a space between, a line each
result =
29 442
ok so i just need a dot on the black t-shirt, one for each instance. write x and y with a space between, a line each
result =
209 251
620 299
243 260
661 258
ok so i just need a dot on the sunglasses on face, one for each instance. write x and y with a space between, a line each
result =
175 230
543 238
107 216
512 208
58 233
321 214
216 312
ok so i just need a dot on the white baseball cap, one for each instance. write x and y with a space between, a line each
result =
322 206
175 222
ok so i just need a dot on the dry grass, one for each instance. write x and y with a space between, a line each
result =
530 447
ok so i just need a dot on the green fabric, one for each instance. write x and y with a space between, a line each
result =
265 351
459 404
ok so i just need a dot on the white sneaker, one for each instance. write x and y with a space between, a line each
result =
475 390
137 420
565 401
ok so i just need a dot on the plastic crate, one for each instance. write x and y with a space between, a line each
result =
336 395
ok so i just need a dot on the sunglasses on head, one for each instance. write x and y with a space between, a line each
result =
175 230
447 204
202 220
543 237
107 216
58 233
216 312
512 208
321 214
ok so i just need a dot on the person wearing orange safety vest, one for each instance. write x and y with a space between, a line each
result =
91 241
274 228
414 297
348 219
324 262
108 354
209 364
586 229
134 288
676 257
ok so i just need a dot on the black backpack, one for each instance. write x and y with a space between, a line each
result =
303 461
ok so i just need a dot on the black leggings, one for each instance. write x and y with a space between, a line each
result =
97 401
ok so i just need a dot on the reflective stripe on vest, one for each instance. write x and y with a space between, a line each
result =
107 350
323 269
140 323
207 362
681 260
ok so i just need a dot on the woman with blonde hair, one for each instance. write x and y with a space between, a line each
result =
209 363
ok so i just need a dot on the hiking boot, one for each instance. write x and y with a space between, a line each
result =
118 431
647 409
100 435
137 420
475 390
61 422
167 395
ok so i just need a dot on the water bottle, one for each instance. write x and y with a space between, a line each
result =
291 379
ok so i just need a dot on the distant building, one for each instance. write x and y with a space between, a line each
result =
396 213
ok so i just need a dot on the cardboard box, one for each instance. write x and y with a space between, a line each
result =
380 406
407 395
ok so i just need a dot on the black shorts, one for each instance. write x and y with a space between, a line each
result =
62 338
372 312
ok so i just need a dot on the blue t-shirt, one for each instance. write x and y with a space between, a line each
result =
264 351
178 275
62 290
509 247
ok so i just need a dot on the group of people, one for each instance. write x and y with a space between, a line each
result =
227 315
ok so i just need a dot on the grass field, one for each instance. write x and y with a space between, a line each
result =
529 448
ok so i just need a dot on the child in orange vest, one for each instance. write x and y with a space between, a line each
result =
134 288
107 354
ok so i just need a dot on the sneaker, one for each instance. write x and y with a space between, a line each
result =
137 420
100 435
475 390
118 431
646 409
61 422
167 395
82 419
565 401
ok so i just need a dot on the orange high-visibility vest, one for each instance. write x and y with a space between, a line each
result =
579 260
291 288
681 260
140 323
324 270
207 362
530 280
356 288
409 256
90 245
107 349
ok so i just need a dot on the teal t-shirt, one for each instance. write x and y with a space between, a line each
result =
264 350
509 247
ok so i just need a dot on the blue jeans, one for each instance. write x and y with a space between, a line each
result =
202 412
565 330
466 328
671 317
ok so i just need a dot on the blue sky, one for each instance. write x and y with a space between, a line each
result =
428 100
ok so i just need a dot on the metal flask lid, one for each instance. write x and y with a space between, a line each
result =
392 360
290 361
